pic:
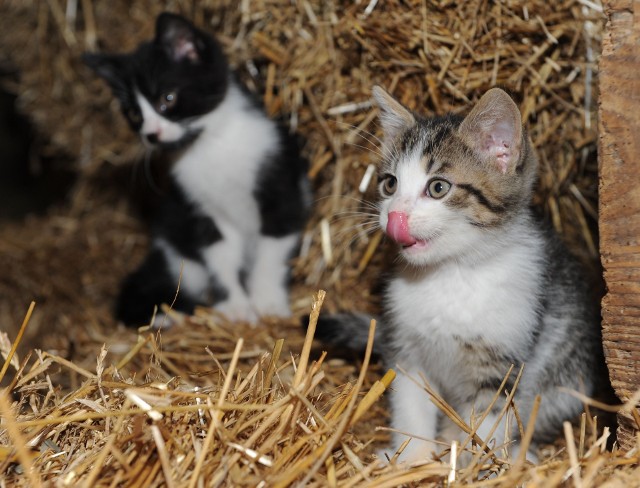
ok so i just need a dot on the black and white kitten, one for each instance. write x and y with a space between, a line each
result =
239 193
482 285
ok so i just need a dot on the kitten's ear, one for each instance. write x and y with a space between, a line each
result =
494 129
393 116
178 37
107 66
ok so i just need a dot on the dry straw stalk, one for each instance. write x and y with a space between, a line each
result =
142 426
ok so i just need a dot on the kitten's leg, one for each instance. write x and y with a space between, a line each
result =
191 275
190 281
224 260
449 432
504 439
412 412
510 442
268 280
156 282
498 439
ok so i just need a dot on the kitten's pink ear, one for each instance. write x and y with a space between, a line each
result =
178 37
494 130
394 118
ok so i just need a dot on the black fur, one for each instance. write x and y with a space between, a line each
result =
182 224
150 285
283 207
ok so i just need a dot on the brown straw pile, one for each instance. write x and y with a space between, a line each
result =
210 403
163 410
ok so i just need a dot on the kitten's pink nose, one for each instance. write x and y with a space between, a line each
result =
398 228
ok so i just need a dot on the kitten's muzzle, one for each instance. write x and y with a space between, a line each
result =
398 229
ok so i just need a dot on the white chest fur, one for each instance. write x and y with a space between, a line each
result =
451 303
220 168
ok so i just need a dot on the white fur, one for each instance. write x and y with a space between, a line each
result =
220 167
413 414
189 274
489 300
227 257
270 272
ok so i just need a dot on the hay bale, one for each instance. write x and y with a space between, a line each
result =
161 411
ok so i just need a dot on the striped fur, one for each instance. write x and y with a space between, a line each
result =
482 285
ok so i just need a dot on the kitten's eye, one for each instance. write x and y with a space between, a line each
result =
389 185
167 100
438 188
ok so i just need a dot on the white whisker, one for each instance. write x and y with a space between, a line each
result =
357 130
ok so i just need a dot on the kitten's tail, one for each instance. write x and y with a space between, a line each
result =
348 330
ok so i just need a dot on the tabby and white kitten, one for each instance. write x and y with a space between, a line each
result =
481 284
239 193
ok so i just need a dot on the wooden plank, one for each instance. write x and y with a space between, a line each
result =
619 219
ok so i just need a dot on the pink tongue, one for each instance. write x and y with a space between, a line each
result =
398 229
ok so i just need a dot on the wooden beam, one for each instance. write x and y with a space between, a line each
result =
619 219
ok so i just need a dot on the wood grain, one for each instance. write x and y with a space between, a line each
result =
619 215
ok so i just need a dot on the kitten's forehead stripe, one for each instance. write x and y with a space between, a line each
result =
435 136
430 162
441 167
426 138
410 139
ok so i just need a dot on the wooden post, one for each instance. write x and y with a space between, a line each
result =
619 161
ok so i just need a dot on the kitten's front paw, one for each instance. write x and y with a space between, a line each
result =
238 311
416 451
162 321
274 303
274 310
